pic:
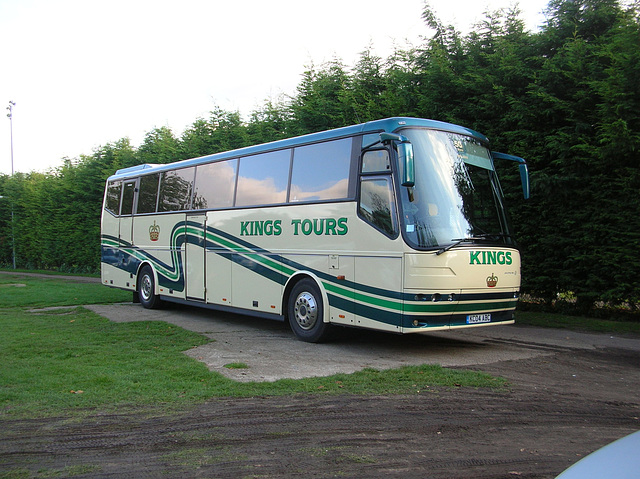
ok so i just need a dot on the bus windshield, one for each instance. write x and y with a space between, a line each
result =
456 194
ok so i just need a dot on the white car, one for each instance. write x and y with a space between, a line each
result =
619 460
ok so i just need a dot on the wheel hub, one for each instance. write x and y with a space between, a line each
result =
145 287
306 310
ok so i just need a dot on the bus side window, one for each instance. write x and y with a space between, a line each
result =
321 171
112 202
376 203
263 179
128 195
215 185
148 195
175 190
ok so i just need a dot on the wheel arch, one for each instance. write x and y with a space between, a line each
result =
155 275
295 279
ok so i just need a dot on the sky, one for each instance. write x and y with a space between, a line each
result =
85 73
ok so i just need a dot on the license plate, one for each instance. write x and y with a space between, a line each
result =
478 318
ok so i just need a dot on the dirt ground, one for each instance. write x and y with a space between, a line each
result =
560 407
570 394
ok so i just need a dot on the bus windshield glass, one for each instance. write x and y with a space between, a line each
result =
456 195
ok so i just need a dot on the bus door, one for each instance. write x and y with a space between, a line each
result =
126 213
194 269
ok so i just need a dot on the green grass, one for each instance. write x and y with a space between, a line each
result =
18 291
77 359
55 362
577 323
236 366
49 272
43 473
68 361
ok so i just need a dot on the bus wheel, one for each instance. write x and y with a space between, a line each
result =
147 288
305 311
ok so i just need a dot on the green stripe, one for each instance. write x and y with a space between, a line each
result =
333 289
257 257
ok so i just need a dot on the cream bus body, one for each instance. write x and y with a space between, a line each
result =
322 230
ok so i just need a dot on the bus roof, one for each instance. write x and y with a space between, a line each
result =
388 124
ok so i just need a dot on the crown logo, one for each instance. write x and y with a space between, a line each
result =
154 232
492 281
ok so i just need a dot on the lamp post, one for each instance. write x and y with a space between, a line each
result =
13 237
10 115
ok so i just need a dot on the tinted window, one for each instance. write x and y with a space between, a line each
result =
370 139
127 198
376 203
215 184
112 202
148 194
321 171
263 179
175 190
376 161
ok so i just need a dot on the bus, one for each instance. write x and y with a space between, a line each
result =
396 225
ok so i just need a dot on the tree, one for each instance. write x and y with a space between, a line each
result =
159 146
271 122
566 98
586 228
322 101
224 130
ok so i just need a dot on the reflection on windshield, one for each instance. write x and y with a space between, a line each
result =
455 195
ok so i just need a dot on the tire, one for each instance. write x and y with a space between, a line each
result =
147 288
305 311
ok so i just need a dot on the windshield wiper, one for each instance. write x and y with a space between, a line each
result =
482 237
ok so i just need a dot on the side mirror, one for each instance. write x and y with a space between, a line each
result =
405 160
405 157
522 165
